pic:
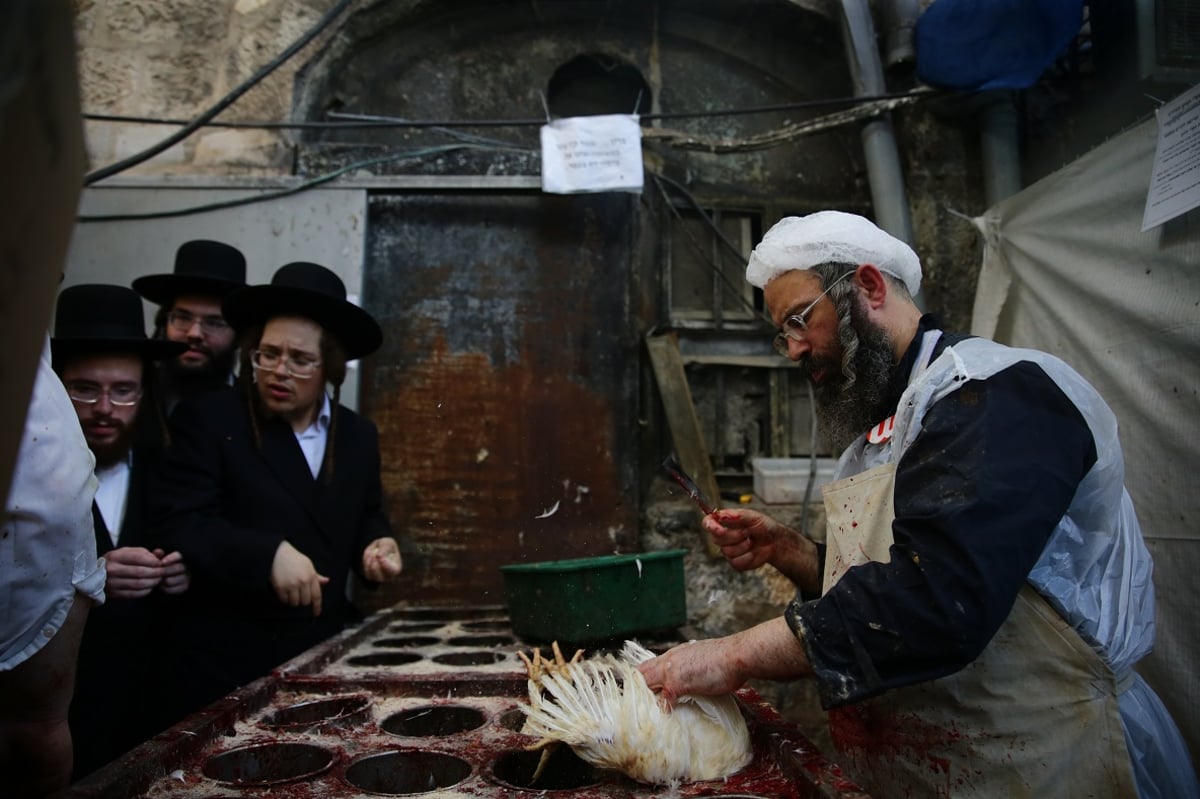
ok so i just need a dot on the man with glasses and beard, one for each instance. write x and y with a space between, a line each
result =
973 618
104 359
272 489
189 312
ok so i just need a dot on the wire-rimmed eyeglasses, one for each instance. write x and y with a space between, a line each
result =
795 327
182 322
122 394
298 366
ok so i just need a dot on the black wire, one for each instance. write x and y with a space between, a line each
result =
274 195
760 109
264 125
703 214
713 265
354 121
222 104
820 103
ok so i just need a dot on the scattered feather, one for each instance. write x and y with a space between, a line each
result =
553 509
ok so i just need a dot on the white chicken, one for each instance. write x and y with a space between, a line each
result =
603 709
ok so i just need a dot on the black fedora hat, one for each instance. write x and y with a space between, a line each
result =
314 292
96 317
201 267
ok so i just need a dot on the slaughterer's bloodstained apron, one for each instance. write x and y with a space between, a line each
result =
1035 715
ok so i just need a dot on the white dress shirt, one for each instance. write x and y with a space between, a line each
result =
314 437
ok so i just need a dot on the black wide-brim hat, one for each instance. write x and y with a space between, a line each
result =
209 268
94 318
314 292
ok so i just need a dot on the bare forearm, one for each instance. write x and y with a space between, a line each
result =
796 559
720 665
769 651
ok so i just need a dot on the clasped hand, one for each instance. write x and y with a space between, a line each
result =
133 572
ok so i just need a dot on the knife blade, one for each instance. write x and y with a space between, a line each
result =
673 468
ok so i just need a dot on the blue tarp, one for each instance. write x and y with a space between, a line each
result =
993 44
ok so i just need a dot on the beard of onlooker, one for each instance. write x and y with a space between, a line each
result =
190 378
112 450
858 396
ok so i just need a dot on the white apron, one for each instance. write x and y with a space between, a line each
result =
1036 715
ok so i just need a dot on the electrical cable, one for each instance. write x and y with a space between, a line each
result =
696 205
444 130
772 138
670 137
264 125
357 121
223 103
274 195
700 250
891 98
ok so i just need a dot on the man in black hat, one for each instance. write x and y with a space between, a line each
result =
189 301
101 353
272 490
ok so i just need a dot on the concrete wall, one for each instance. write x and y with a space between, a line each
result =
324 226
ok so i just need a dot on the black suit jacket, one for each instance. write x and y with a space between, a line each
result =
119 679
227 503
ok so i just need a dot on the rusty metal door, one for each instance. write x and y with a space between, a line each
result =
505 391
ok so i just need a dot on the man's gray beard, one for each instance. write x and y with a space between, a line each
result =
848 406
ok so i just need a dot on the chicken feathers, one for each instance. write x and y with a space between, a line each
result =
603 710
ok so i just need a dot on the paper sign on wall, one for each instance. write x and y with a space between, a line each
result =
1175 180
592 154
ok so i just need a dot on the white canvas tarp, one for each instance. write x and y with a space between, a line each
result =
1066 269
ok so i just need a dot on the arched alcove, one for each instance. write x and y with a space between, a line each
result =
458 61
597 83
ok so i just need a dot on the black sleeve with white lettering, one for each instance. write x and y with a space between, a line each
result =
978 494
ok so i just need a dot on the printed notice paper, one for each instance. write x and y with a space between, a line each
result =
592 154
1175 181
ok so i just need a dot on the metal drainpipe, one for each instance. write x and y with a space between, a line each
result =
879 141
899 18
999 149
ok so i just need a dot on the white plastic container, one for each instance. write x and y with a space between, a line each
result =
780 481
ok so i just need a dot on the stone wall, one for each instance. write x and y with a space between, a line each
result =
174 59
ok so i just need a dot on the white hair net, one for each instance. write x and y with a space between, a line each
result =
802 242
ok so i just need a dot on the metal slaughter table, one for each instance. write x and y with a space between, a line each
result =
417 701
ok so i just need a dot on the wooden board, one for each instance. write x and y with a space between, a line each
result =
681 416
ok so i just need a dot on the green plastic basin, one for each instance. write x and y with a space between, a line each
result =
595 599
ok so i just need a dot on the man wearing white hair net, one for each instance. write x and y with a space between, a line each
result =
973 620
